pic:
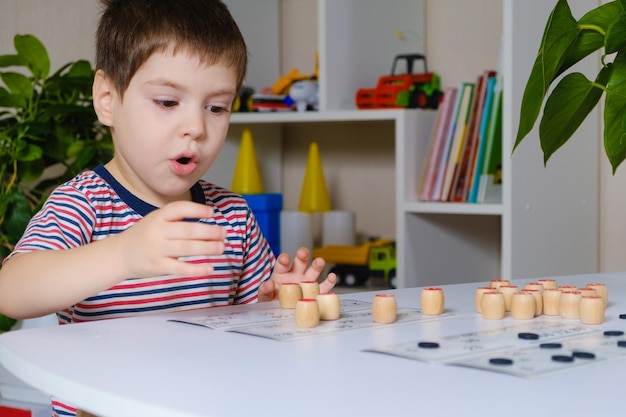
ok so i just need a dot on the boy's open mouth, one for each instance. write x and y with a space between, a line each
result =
183 161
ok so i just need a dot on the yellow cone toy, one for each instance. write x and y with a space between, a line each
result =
314 194
247 176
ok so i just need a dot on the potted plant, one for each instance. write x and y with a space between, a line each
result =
565 42
48 133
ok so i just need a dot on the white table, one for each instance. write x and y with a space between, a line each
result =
149 366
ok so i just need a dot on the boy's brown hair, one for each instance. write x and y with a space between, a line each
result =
130 31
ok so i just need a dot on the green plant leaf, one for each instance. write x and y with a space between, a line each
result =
531 101
34 53
31 170
30 153
615 113
6 323
593 25
17 84
18 215
559 35
9 100
616 36
12 61
80 69
85 155
567 107
75 148
586 43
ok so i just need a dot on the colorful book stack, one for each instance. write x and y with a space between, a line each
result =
463 162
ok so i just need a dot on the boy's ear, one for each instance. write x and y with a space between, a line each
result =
102 94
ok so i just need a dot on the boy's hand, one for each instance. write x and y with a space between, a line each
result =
155 245
299 271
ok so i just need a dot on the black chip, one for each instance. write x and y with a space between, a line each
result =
584 355
551 346
562 358
614 333
528 336
501 361
621 343
428 345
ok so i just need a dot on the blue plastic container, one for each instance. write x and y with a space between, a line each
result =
266 208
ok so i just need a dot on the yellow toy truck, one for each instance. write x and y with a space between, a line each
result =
353 265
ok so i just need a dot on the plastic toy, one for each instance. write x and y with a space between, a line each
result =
304 94
284 82
355 264
410 90
247 175
243 101
266 102
277 97
314 194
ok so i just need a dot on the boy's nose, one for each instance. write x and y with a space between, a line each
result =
193 124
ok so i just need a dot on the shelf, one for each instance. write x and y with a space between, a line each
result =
453 208
316 116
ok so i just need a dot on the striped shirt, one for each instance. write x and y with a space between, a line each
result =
94 205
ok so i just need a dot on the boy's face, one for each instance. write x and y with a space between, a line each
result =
170 125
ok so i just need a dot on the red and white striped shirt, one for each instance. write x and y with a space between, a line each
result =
93 206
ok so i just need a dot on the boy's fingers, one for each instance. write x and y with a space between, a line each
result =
328 283
181 210
313 272
182 267
196 231
187 248
301 262
282 264
267 291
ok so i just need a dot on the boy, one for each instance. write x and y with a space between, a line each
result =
144 233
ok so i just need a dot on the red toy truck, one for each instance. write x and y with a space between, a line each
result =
410 90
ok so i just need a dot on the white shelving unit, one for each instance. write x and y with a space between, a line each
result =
547 223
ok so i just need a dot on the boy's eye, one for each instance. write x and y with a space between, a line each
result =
216 109
166 103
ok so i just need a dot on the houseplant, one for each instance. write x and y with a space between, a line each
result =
48 133
565 42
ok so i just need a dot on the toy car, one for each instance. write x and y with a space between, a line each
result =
410 90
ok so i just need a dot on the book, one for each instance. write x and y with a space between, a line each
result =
466 92
442 125
440 169
463 175
474 181
492 162
428 157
